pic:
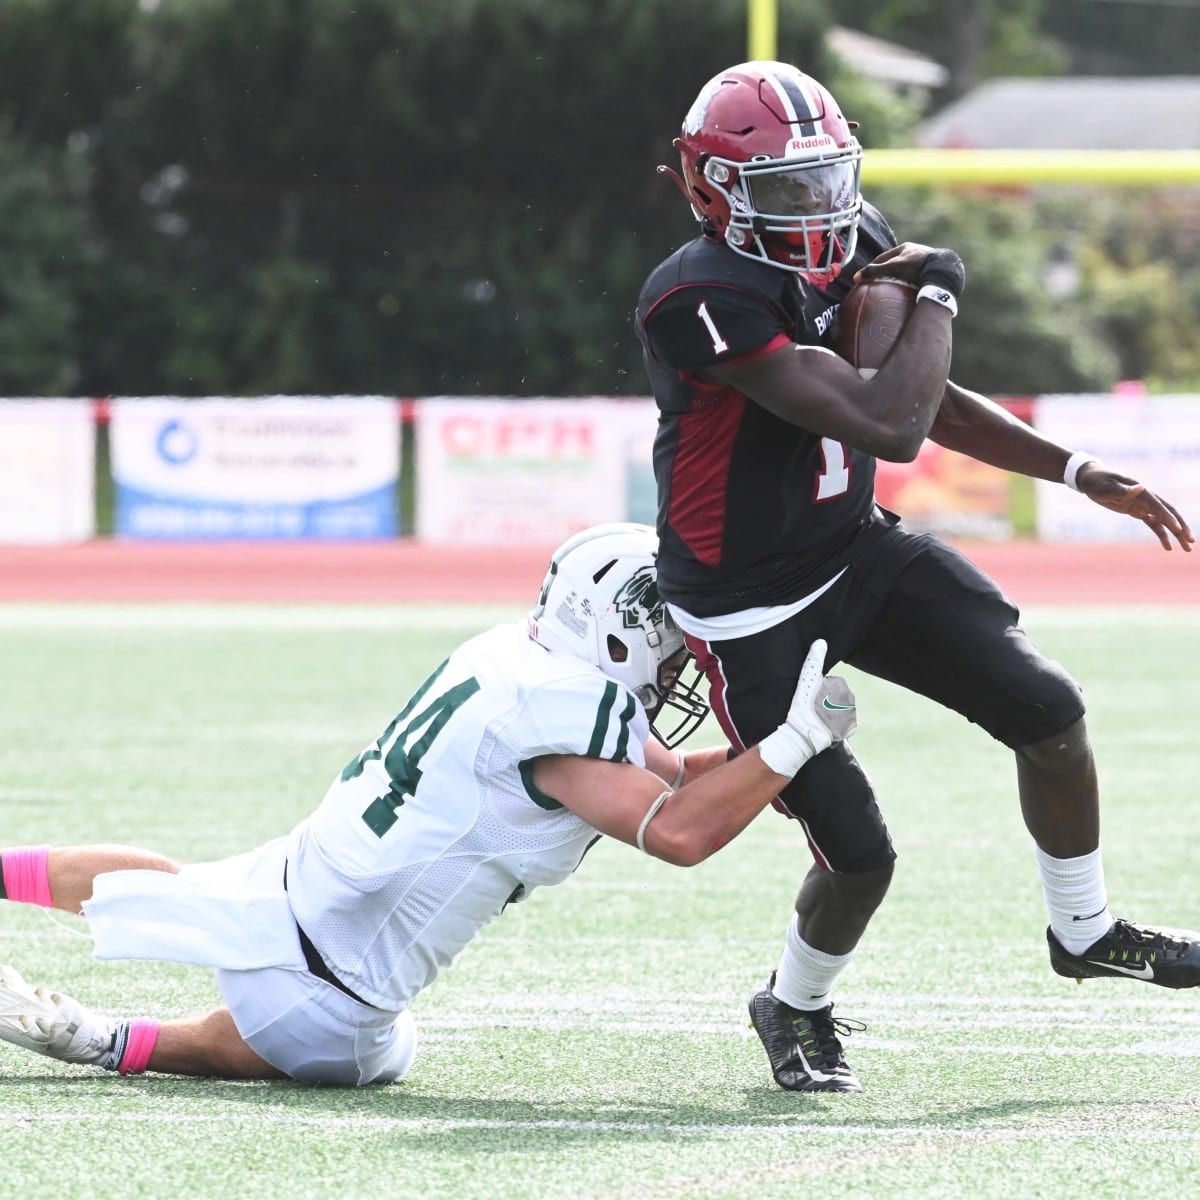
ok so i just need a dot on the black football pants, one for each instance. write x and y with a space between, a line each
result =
919 614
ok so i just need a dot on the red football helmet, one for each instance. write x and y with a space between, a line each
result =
771 167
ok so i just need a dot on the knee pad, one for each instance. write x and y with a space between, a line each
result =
881 861
1051 702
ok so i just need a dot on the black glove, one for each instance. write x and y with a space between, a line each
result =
944 269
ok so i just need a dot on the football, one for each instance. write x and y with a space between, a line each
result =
870 320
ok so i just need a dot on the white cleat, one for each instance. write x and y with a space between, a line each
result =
52 1024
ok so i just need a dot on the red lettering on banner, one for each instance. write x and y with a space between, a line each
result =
517 437
577 437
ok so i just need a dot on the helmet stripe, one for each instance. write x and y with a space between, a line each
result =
787 97
801 102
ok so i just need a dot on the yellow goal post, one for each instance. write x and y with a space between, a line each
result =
996 168
1018 168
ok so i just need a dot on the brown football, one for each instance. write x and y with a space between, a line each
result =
870 320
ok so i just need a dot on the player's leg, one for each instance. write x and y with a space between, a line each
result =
948 632
62 877
833 801
56 1025
1060 792
209 1046
312 1032
298 1026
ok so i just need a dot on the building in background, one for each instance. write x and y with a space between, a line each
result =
896 67
1081 113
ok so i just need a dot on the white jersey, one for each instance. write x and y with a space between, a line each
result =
435 827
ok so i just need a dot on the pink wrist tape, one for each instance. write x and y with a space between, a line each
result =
25 875
143 1037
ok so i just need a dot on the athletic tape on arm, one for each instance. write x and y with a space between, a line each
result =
651 813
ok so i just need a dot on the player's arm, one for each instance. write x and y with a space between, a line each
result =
888 415
687 825
976 426
676 768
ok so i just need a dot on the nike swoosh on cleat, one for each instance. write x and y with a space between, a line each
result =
827 703
1145 971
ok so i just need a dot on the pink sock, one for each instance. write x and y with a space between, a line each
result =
25 876
143 1037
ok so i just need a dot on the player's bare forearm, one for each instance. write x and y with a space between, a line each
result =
700 762
709 811
973 425
692 823
70 870
666 763
978 427
888 416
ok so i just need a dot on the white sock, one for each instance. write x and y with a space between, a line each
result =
805 977
1075 898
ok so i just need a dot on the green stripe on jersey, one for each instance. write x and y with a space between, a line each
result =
535 794
600 729
622 751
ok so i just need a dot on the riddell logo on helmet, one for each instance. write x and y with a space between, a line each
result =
820 142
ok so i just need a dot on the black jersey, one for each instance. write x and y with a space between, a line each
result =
752 510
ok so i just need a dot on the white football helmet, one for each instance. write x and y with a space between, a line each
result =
600 602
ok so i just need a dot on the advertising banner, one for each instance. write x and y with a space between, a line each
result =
640 423
278 467
497 471
940 492
1155 439
946 493
47 471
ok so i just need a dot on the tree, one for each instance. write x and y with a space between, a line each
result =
44 254
973 39
1011 336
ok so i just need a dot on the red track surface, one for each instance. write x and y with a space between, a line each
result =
407 571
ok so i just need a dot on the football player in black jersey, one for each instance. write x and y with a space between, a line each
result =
770 535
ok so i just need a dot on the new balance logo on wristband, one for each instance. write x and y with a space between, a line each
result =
939 295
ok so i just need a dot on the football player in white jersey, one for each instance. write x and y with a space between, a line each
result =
524 746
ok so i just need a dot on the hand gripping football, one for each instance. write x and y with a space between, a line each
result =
870 320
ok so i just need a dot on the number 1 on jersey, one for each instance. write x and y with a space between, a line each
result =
834 477
720 345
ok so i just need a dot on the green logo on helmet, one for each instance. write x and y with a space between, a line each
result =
638 600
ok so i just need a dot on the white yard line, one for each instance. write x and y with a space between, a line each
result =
789 1127
454 1033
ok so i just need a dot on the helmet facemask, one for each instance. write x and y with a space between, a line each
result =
673 700
680 701
798 216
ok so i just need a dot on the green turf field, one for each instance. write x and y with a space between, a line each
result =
593 1042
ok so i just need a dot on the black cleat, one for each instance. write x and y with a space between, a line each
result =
803 1047
1129 951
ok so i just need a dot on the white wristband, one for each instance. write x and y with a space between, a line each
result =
785 751
651 813
939 295
1071 472
675 783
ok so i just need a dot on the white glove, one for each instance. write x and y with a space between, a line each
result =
822 713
